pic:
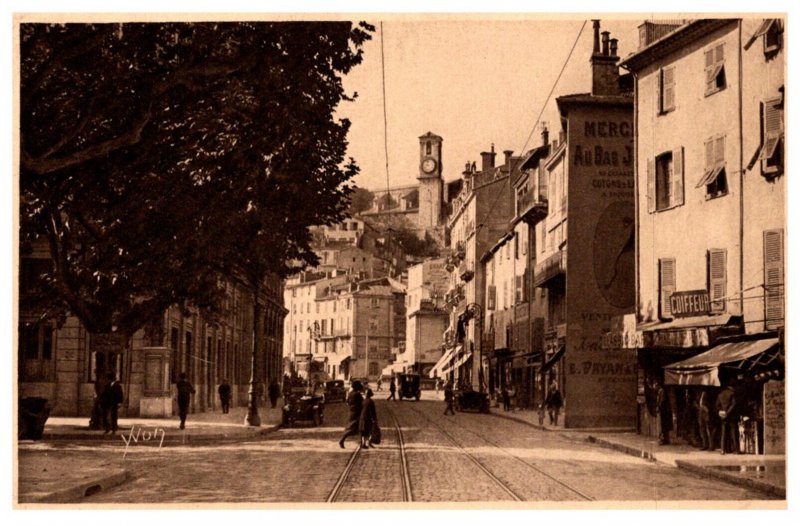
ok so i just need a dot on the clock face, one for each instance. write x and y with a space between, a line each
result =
428 165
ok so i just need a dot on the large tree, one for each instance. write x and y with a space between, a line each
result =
157 158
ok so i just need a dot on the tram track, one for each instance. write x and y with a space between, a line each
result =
494 444
347 472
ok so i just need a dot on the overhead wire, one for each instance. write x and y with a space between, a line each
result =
536 123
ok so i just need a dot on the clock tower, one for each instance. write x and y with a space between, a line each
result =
430 182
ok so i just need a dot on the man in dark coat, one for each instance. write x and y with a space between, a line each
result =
392 390
111 397
554 401
703 404
369 418
225 395
355 403
448 398
273 391
728 420
664 413
185 392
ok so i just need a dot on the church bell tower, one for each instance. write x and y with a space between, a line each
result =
430 182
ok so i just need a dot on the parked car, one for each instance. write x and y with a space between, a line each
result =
469 400
408 386
335 391
306 408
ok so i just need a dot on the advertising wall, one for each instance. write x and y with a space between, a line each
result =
600 382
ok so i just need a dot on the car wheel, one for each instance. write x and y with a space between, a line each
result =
417 397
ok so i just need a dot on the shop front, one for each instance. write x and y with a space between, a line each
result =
737 383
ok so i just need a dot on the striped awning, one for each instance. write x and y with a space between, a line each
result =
703 369
443 362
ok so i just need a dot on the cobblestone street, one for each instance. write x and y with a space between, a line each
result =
461 458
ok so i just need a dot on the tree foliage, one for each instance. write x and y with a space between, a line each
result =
156 158
360 201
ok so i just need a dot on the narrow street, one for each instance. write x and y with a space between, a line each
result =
461 458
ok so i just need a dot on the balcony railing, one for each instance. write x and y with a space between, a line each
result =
555 265
532 207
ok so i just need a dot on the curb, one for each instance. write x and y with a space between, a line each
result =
702 471
77 492
628 450
567 431
771 489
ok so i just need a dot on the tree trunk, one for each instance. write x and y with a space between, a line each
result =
108 356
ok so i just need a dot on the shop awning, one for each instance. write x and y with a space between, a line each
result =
443 361
337 359
554 359
703 369
394 368
685 323
461 361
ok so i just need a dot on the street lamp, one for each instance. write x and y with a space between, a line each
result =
475 311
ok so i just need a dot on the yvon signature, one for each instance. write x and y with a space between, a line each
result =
138 434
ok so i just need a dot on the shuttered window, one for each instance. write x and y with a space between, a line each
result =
666 90
771 155
717 278
773 279
714 178
492 297
666 285
665 181
715 69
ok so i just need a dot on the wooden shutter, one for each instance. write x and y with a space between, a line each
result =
709 71
773 279
717 278
492 297
772 130
651 185
668 89
719 150
666 285
659 91
709 148
677 177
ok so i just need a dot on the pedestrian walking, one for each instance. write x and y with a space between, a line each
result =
111 398
368 420
664 413
436 386
506 398
448 398
185 392
273 391
392 389
729 420
554 401
379 384
224 391
512 397
355 403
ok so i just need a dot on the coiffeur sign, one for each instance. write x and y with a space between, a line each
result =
690 303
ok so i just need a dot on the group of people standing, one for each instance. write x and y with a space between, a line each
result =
708 418
363 418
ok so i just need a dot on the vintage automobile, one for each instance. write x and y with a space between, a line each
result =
335 391
470 400
305 408
408 386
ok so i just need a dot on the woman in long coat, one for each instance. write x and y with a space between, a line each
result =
369 418
354 403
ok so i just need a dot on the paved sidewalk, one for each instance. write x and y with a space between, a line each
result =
200 427
762 472
53 479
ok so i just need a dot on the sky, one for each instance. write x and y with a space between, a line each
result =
473 80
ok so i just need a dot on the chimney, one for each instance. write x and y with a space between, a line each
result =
605 72
545 136
487 160
466 171
596 26
507 160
